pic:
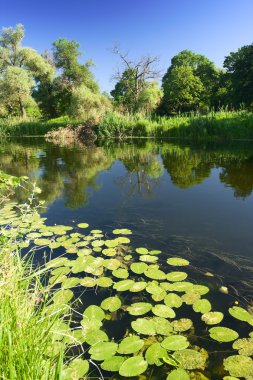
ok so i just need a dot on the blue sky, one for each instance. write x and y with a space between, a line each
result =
162 27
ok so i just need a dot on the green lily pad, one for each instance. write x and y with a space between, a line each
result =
83 225
155 353
175 342
113 364
138 268
112 264
178 374
176 276
130 345
190 298
111 243
155 274
42 242
109 252
212 317
223 334
153 288
103 350
124 285
70 282
142 251
139 308
190 359
202 306
241 314
111 303
163 311
182 324
148 258
162 326
120 273
122 240
244 346
76 369
177 261
104 282
239 366
88 282
95 312
63 296
134 366
122 231
92 337
144 326
200 289
138 286
173 300
183 286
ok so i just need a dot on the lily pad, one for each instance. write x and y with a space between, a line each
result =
134 366
122 231
182 324
63 296
148 258
112 264
155 274
83 225
124 285
183 286
111 303
120 273
175 342
144 326
138 268
202 306
130 345
163 311
139 308
223 334
178 374
176 276
212 317
191 359
104 282
88 282
155 353
244 346
138 286
76 369
162 326
177 261
173 300
113 364
241 314
95 312
103 350
142 251
239 366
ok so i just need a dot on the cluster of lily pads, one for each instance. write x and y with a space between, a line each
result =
151 292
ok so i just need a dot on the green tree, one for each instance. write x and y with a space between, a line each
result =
20 68
239 67
149 98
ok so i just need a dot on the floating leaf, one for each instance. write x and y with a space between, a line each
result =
42 242
90 325
111 243
112 264
155 274
162 326
190 298
70 282
60 271
178 374
92 337
223 334
175 342
177 261
153 288
176 276
173 300
244 345
133 366
138 286
122 240
144 326
130 345
159 297
191 359
89 282
241 314
138 268
200 289
103 350
155 252
142 251
63 296
109 252
239 366
123 285
111 303
155 353
163 311
76 369
113 364
104 282
120 273
183 286
202 306
122 231
97 243
95 312
212 317
83 225
139 308
148 258
182 324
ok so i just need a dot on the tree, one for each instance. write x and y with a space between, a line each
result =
20 68
133 79
204 73
239 67
149 98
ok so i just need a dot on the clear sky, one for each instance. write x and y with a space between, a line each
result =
162 27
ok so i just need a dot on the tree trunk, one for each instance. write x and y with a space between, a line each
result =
22 108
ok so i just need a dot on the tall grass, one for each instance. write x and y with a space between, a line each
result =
219 125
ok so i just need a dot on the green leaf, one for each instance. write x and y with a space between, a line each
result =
241 314
162 326
183 286
104 282
176 276
144 326
95 312
190 298
142 251
153 288
173 300
175 342
63 296
123 285
130 345
138 268
178 374
212 317
122 231
76 369
202 306
113 364
177 261
134 366
182 324
223 334
155 354
244 345
191 359
83 225
138 286
111 303
163 311
155 274
148 258
139 308
120 273
239 366
92 337
112 264
70 282
88 282
103 350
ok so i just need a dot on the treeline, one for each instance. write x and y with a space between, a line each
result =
55 83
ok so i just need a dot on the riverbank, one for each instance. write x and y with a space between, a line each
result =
213 126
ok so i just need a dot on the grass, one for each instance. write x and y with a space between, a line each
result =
225 125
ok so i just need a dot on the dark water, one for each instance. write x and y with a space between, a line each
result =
194 200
